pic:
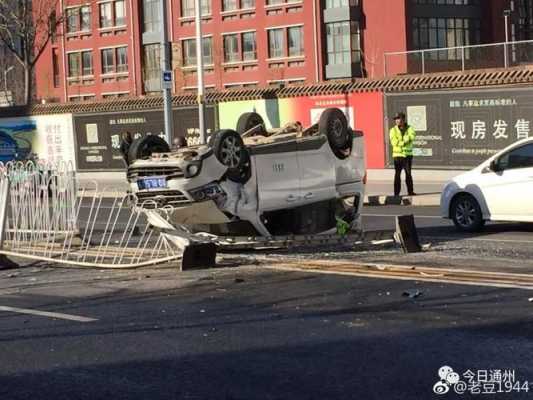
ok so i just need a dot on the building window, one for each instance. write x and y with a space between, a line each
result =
73 20
112 14
122 59
87 63
115 60
234 5
231 48
85 18
53 23
151 68
83 97
448 2
108 63
151 16
295 36
79 64
120 13
117 95
106 15
275 43
249 46
78 19
247 4
230 5
283 42
189 51
188 8
240 47
431 33
341 3
55 66
342 42
278 2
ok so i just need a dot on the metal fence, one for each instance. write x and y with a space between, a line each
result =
45 216
462 58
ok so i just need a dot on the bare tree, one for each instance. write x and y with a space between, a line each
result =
26 27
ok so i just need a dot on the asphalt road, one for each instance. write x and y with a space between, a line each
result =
248 332
431 225
251 333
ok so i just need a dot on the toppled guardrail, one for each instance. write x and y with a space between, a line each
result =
45 216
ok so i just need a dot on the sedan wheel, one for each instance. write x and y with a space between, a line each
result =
230 151
466 214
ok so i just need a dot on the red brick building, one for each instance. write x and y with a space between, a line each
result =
110 48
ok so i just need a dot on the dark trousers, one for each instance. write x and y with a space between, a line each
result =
404 163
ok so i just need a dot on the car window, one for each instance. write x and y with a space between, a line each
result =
521 157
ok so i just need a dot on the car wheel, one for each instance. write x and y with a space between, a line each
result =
144 146
248 121
466 213
334 125
229 149
243 174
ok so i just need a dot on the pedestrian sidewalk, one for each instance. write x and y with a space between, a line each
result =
379 189
428 185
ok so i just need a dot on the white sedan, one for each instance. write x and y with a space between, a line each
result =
500 189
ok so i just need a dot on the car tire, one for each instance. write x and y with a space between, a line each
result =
244 173
144 146
249 120
334 125
229 149
466 213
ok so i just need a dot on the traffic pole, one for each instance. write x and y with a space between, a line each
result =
166 73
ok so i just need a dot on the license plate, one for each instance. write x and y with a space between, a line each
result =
154 182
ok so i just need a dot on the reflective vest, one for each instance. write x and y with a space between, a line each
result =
402 145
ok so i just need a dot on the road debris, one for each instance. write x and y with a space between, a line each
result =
412 294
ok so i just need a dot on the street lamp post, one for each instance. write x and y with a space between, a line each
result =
200 70
506 14
6 71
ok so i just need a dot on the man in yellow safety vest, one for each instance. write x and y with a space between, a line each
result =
402 137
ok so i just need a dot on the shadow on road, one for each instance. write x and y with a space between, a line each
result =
344 342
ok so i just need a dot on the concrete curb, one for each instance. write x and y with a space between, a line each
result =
425 199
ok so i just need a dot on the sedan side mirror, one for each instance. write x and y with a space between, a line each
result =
494 166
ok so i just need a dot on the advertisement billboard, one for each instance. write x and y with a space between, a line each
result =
48 138
54 141
98 136
460 129
17 137
364 112
229 112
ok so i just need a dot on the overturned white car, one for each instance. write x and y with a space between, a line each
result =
252 181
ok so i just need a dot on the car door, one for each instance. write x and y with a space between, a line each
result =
508 192
278 175
317 169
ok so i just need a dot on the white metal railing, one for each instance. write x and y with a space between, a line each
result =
459 58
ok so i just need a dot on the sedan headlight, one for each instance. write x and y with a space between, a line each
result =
213 191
